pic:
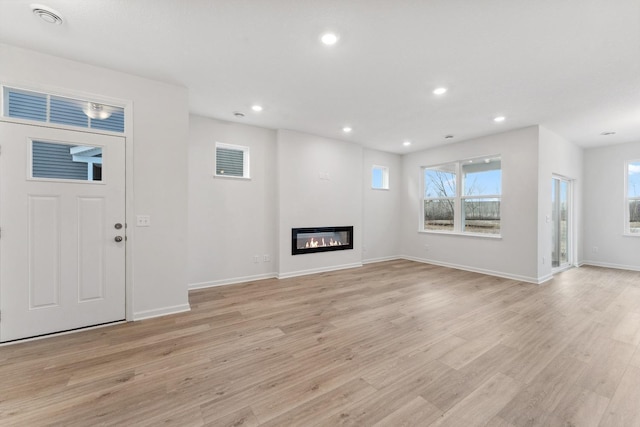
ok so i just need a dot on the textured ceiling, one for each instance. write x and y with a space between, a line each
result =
570 65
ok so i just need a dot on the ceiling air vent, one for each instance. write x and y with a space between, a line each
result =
46 14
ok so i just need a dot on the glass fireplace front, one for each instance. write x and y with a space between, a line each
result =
321 239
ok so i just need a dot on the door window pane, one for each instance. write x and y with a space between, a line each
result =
65 161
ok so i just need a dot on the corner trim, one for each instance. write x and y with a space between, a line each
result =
157 312
318 270
231 281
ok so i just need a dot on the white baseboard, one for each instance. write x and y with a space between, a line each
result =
610 265
157 312
544 279
381 259
318 270
232 281
534 280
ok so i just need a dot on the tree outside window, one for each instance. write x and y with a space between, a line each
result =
463 196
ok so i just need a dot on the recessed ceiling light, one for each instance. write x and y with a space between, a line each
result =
406 143
499 119
329 39
47 14
238 114
608 133
346 129
440 91
257 108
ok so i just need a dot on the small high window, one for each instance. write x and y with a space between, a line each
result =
380 177
632 224
232 161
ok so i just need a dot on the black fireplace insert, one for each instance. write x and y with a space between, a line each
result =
321 239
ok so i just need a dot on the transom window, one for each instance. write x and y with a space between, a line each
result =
463 196
43 107
632 223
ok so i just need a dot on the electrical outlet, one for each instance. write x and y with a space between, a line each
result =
143 220
594 250
266 258
544 260
256 259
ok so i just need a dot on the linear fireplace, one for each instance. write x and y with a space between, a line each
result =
321 239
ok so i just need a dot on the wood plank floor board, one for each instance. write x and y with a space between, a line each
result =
417 412
623 410
479 407
389 344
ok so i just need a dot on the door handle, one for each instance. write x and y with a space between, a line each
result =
118 239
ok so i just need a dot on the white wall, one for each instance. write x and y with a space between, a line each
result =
158 162
604 175
560 157
381 208
231 220
514 255
308 199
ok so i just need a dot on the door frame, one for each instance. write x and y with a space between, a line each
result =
571 229
128 133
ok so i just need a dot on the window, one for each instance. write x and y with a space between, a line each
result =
232 161
380 177
632 204
463 196
42 107
54 160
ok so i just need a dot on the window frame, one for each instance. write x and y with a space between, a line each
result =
245 160
628 199
458 198
385 177
73 96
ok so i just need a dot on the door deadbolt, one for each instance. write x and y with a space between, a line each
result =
118 239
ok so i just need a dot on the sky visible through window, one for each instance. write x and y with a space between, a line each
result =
633 186
378 179
443 184
483 183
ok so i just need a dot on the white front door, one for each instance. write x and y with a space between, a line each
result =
62 230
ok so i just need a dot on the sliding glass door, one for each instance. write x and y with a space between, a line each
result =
560 223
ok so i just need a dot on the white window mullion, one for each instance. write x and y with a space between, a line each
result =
457 225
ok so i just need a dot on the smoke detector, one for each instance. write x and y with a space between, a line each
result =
47 14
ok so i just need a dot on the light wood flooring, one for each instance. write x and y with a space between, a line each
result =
389 344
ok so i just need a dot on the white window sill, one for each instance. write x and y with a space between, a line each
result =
245 178
380 189
457 233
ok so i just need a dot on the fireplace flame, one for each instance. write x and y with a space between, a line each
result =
313 243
